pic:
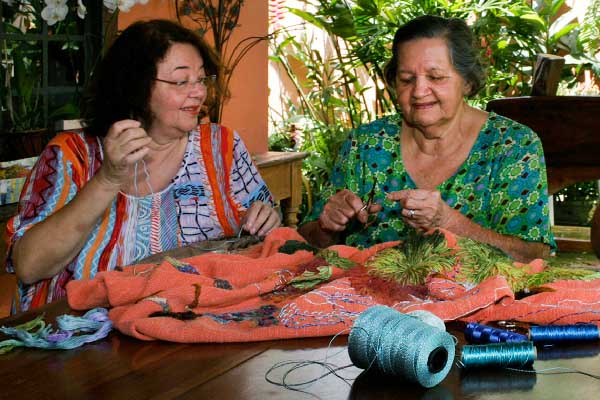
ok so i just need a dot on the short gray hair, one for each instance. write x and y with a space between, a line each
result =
464 54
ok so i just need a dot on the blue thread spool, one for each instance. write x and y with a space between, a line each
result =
481 334
498 355
564 333
400 345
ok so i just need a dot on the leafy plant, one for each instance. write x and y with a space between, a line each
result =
331 102
35 35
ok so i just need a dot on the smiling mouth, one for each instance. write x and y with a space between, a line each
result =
191 110
424 105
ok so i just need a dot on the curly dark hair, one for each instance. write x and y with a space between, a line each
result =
464 54
121 86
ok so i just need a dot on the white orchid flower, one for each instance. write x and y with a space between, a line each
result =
53 15
125 5
111 5
81 9
122 5
55 3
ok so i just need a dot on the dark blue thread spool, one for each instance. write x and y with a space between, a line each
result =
482 334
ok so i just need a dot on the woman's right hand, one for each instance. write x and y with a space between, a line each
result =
125 144
341 208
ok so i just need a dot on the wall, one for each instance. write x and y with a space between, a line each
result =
247 110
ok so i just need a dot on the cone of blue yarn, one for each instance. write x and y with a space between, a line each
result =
401 345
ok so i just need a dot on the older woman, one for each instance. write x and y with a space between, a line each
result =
142 177
442 163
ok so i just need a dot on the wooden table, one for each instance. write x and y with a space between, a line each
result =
120 367
281 171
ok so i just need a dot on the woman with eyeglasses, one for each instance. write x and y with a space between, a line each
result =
143 176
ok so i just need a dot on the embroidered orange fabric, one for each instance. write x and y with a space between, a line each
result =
247 297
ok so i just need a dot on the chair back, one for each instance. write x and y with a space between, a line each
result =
569 128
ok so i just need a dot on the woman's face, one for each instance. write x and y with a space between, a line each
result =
175 107
430 91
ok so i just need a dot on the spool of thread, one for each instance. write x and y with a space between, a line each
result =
498 355
564 333
478 333
429 318
400 345
539 334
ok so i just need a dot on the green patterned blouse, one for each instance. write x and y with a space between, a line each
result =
502 184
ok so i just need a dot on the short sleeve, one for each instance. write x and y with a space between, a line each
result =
519 195
53 182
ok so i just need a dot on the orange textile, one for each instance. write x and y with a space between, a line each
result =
248 297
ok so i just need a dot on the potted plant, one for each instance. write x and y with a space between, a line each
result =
47 50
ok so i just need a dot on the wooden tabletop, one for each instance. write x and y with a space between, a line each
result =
120 367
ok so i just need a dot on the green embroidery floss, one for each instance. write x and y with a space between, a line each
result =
401 345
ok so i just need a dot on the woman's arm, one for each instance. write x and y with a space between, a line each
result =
51 244
518 249
424 210
47 247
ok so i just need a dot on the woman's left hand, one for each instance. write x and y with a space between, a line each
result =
260 219
422 209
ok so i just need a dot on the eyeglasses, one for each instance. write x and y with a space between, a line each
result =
185 85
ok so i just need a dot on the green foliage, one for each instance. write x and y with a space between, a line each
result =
510 32
331 102
22 102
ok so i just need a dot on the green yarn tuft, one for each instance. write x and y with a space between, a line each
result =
411 262
480 261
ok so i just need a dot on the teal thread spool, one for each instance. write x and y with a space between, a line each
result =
498 355
400 345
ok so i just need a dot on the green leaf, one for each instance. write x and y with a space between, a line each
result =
308 279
